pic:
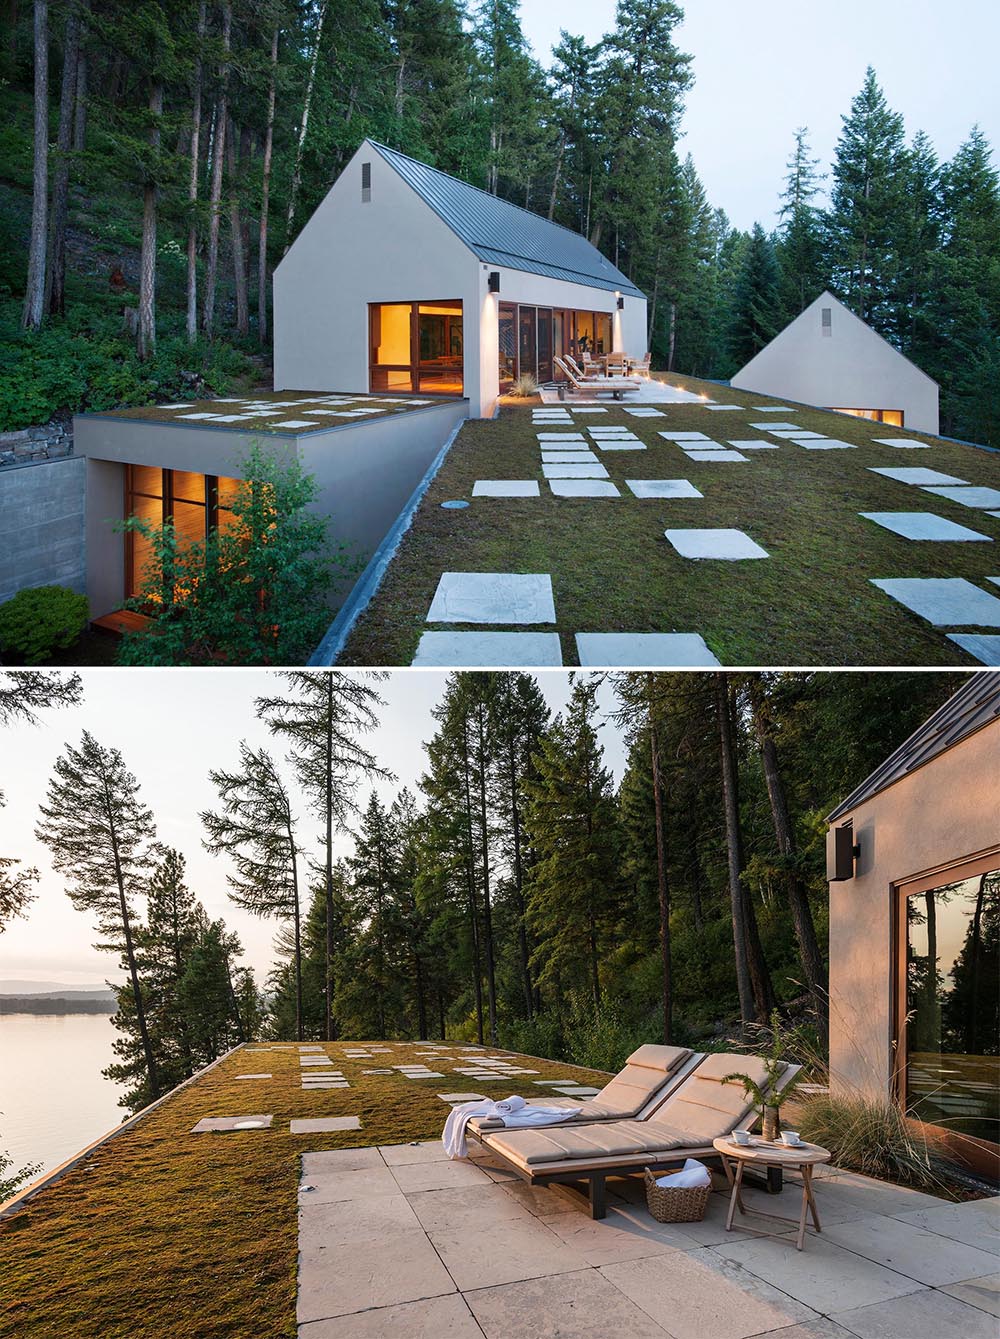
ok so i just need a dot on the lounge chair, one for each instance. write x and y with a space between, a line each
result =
585 373
698 1111
616 385
650 1075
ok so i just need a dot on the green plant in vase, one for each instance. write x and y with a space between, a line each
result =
766 1097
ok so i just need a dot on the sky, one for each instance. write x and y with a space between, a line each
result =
764 67
172 727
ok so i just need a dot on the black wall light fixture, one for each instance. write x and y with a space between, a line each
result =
842 851
494 281
621 302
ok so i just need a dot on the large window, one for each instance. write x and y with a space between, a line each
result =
196 503
530 337
950 999
894 417
416 346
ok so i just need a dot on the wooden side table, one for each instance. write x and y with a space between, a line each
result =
762 1153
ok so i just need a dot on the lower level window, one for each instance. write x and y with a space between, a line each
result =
894 417
196 503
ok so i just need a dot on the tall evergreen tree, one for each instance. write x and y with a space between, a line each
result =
755 315
800 241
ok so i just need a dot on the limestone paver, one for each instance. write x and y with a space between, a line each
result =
437 1175
914 474
335 1160
223 1124
379 1218
361 1183
970 497
505 488
904 443
697 1294
723 408
728 545
925 1256
575 1306
663 488
583 488
474 1209
945 601
584 457
436 1318
685 436
755 444
325 1124
652 650
773 427
825 444
923 525
492 597
486 649
251 1076
512 1249
561 437
922 1315
983 1293
575 471
621 444
821 1276
627 1233
984 648
799 434
976 1222
717 456
346 1278
461 1097
772 409
402 1155
315 1060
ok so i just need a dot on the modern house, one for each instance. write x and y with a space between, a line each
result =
830 358
913 858
409 281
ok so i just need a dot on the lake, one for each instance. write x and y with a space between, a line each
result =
53 1100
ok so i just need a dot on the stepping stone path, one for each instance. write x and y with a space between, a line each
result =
561 437
923 525
969 497
983 647
904 443
492 597
583 488
825 444
776 427
915 475
223 1124
799 434
325 1125
646 413
653 650
251 1076
568 458
720 454
684 436
755 445
660 488
771 409
573 472
728 545
723 408
315 1060
455 1098
945 600
376 1071
488 650
505 488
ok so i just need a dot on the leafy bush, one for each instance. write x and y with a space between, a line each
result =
871 1135
36 621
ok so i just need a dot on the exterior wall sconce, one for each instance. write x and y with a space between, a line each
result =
494 281
841 853
621 302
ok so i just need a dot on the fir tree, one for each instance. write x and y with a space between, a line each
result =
754 320
800 242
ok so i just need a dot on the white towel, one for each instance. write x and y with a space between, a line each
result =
692 1174
513 1111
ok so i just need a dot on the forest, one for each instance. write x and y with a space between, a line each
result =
522 897
157 160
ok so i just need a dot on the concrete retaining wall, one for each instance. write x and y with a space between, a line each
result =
42 525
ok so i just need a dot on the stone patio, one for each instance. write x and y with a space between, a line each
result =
400 1241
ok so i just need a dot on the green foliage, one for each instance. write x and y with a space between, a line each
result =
872 1135
38 620
10 1184
773 1047
525 386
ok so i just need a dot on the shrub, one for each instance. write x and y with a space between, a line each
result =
36 621
872 1135
525 386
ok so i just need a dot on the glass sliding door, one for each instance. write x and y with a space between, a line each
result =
950 995
527 341
416 347
507 343
544 345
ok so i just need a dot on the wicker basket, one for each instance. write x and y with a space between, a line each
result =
671 1204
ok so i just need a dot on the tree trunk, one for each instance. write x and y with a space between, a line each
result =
80 108
297 930
146 334
191 319
673 336
265 197
522 930
56 270
303 129
418 978
328 871
218 161
798 897
662 884
241 1033
34 292
236 230
471 875
484 837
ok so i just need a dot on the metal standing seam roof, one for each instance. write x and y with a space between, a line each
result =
501 233
975 705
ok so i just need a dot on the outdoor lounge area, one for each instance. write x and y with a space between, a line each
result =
329 1154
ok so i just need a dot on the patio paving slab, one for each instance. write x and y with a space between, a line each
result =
380 1219
485 649
800 434
923 1315
404 1155
984 648
575 471
560 437
339 1186
436 1318
492 597
575 1306
976 1222
627 1233
698 1295
822 1275
583 488
724 408
923 525
223 1124
335 1160
914 474
652 650
343 1280
770 426
720 455
983 1293
446 1175
585 457
825 444
663 488
919 1254
251 1076
684 436
325 1124
727 545
904 443
945 601
505 488
511 1250
969 497
755 444
473 1208
621 444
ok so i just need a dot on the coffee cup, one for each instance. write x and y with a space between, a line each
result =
741 1136
790 1138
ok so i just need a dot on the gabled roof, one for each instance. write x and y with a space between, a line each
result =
975 705
500 233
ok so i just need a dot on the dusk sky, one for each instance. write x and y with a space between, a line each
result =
172 726
764 67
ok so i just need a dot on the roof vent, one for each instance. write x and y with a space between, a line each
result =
827 322
366 183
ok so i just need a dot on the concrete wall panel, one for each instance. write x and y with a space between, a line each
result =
42 526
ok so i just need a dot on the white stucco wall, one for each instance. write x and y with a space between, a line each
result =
851 368
394 248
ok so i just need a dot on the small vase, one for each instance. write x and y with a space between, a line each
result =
770 1123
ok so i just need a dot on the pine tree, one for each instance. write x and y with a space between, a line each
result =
800 242
513 91
373 869
755 317
207 996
